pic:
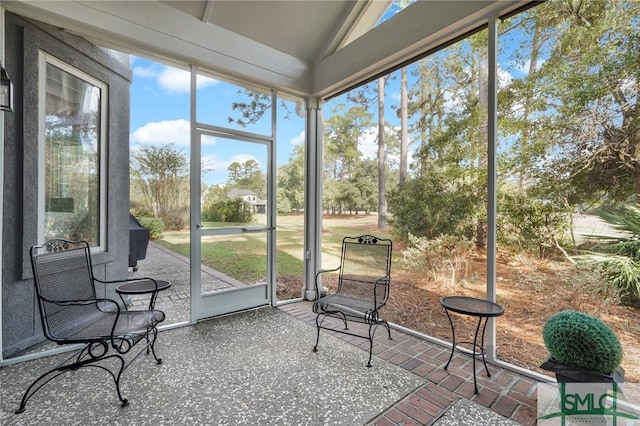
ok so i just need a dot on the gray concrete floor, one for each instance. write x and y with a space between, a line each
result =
250 368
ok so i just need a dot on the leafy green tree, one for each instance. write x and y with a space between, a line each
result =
431 205
247 175
579 136
252 109
364 181
213 194
530 225
341 155
450 178
291 182
426 101
161 174
331 196
235 173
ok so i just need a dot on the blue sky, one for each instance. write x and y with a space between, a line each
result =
160 113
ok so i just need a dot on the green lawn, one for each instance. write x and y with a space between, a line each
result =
243 256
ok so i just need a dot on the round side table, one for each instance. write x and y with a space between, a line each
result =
471 306
143 286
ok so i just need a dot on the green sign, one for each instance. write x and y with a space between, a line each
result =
586 403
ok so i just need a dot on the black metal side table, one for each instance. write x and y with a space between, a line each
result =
143 286
483 309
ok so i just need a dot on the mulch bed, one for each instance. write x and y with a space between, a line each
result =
531 290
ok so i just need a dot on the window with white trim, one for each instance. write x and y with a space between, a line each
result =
72 154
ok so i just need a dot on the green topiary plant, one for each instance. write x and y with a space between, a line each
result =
583 341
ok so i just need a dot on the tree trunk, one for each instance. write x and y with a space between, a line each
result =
483 136
382 200
526 139
403 126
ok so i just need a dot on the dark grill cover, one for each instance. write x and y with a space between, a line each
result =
138 241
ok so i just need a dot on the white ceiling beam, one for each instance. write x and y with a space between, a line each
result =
143 26
362 16
208 11
422 26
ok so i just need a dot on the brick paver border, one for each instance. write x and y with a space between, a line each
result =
507 393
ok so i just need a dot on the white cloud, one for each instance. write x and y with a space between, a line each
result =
162 133
144 72
504 78
241 158
177 81
208 140
298 140
213 162
368 143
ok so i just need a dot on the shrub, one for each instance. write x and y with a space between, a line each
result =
528 225
234 210
432 205
139 210
446 252
174 219
583 341
156 226
617 258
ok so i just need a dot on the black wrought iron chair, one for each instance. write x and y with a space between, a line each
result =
364 277
71 313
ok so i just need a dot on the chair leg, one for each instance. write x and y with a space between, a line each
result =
123 401
28 394
152 344
315 348
344 319
372 332
386 324
40 382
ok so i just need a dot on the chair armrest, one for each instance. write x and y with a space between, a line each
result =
85 302
382 281
319 288
82 302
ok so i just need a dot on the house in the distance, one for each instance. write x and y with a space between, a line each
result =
257 205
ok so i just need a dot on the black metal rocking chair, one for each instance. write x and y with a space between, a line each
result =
71 313
364 277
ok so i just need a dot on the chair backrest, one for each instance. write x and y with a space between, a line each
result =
364 260
62 272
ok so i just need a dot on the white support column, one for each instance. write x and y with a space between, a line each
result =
194 217
271 210
492 123
2 39
312 195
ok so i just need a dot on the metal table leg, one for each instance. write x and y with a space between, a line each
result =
453 339
475 345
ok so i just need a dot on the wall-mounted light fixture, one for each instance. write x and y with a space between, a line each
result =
6 91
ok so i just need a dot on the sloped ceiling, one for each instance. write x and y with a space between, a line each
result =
305 47
308 30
